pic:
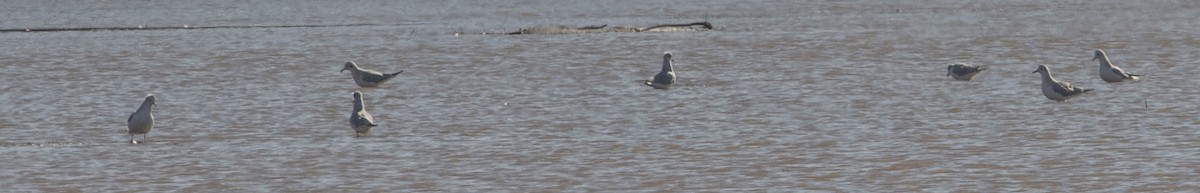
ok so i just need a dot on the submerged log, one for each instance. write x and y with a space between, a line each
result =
698 26
690 27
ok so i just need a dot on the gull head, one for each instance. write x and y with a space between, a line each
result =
1042 69
1099 54
349 66
150 99
668 58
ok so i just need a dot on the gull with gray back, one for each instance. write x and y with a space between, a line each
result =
367 78
665 78
964 72
1109 72
360 120
142 120
1057 90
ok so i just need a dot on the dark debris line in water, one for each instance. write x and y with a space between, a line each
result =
33 144
688 27
182 27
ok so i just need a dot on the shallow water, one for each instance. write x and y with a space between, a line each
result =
841 96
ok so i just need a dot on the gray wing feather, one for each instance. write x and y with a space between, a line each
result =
363 119
961 70
1064 88
1122 73
375 77
367 117
663 78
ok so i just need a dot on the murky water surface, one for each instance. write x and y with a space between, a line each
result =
838 96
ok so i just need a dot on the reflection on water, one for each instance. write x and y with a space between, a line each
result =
818 96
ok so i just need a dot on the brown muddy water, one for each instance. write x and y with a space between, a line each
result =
783 96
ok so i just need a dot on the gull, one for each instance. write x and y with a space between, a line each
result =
360 120
1109 72
141 121
1056 90
367 78
960 71
666 77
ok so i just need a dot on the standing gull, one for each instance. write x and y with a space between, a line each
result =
1109 72
1055 90
360 120
141 121
666 77
367 78
960 71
